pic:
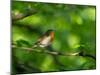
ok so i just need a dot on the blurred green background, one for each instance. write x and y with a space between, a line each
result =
75 31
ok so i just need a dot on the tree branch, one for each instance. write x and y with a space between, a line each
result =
54 52
46 51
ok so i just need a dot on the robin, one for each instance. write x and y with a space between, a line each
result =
45 40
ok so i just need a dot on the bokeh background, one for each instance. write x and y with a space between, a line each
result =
75 31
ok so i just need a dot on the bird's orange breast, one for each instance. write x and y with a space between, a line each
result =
52 36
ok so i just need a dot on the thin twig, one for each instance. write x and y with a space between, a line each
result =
46 51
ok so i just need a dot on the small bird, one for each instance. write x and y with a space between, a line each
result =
45 40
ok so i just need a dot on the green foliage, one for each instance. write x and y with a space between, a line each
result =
74 25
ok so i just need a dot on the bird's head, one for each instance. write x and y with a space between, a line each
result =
50 32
